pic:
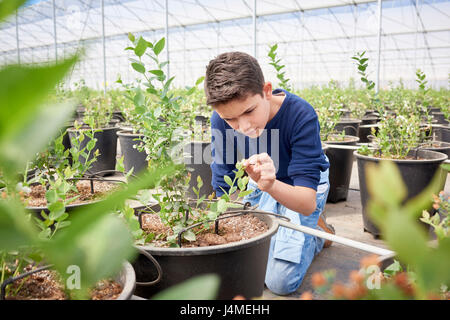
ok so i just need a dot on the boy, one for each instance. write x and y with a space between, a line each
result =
278 133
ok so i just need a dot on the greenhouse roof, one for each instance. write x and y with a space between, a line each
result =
316 39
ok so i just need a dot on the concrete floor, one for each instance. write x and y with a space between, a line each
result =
346 217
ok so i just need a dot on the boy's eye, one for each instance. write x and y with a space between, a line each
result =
248 111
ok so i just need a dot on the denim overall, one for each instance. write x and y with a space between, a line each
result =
291 252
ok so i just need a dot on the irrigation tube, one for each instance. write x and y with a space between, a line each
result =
335 238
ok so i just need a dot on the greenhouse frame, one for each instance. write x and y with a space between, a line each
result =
316 38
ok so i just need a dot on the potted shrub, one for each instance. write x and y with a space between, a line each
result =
192 237
398 140
26 126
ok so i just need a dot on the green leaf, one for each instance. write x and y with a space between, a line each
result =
141 46
199 80
222 205
189 235
245 193
156 72
15 229
204 287
8 7
26 124
159 46
131 37
385 183
51 196
139 67
57 209
228 180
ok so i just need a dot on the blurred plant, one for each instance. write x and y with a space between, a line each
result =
27 123
426 275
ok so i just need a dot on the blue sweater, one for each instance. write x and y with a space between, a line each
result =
291 139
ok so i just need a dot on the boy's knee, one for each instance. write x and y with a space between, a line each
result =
286 281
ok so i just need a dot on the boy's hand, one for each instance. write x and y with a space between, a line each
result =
261 169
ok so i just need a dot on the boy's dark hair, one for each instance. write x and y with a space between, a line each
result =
232 75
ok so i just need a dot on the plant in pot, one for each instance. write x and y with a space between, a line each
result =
158 119
98 125
189 237
419 269
398 140
26 125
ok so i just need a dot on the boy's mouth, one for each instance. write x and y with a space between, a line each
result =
252 133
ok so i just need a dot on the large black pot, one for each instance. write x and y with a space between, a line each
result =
198 160
127 279
241 265
349 126
416 174
341 164
438 146
132 157
365 131
441 132
106 145
440 117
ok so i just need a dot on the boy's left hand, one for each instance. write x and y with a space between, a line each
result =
261 169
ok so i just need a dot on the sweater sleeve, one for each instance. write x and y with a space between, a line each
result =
307 156
223 158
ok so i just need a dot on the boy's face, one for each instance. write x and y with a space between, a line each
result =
250 115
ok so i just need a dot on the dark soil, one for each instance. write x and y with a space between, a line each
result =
46 285
232 229
36 198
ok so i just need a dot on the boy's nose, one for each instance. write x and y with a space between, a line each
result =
243 125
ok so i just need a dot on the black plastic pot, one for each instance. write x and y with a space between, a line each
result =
416 174
106 145
132 157
198 160
365 131
440 117
241 265
441 133
349 125
369 120
127 279
341 164
438 146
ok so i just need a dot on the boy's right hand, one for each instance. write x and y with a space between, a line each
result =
261 169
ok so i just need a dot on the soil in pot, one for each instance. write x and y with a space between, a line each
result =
47 285
230 230
36 198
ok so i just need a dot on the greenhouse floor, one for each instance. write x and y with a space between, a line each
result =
346 217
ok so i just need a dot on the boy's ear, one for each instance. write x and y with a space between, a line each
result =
267 90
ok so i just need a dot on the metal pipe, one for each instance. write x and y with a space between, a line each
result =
337 239
377 83
104 47
17 36
54 31
254 28
167 36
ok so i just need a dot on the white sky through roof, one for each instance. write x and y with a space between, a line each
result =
316 39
